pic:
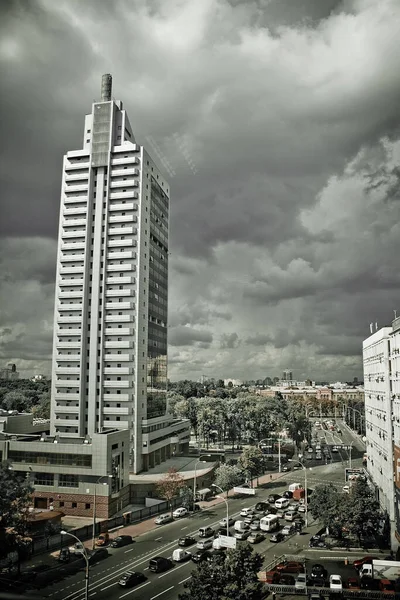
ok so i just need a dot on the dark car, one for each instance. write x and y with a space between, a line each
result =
285 468
272 498
317 582
158 564
317 571
287 494
201 555
65 555
367 583
121 540
262 506
217 556
186 540
286 579
353 583
97 555
277 537
131 578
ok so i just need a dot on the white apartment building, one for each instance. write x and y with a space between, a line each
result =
395 397
110 322
378 416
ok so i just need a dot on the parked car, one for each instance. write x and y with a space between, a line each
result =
290 567
386 586
366 560
204 544
353 583
186 540
318 570
159 564
201 555
103 539
180 512
121 540
317 582
162 519
286 579
277 537
131 578
335 582
272 577
97 555
222 522
288 530
367 583
242 535
300 583
64 555
256 537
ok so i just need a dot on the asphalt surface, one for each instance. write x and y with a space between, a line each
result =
162 540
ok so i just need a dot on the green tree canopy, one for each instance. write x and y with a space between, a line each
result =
252 460
361 509
228 476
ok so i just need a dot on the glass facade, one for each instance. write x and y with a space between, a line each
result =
46 458
158 303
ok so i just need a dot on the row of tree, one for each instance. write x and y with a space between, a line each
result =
356 513
24 395
248 418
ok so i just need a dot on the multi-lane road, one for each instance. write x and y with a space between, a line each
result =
162 541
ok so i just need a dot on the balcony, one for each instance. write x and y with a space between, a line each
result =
77 319
67 409
122 219
110 293
72 199
76 188
70 282
120 305
116 397
119 345
119 318
68 357
71 332
72 257
118 371
73 166
123 195
117 280
120 231
123 184
73 222
74 210
123 267
118 255
63 396
81 233
125 161
118 357
66 422
122 410
77 294
69 306
74 245
117 384
69 269
116 424
124 172
120 206
67 383
119 331
79 175
112 243
68 370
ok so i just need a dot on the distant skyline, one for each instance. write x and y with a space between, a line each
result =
277 125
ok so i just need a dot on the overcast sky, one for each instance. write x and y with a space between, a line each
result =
277 122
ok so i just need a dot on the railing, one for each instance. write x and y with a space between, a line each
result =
290 590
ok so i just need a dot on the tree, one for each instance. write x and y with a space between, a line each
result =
42 410
231 578
300 430
228 476
15 401
361 513
170 485
253 461
327 505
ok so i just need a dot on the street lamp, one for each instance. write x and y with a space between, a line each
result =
305 486
94 509
279 449
195 474
85 556
214 485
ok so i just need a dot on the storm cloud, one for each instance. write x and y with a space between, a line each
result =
277 124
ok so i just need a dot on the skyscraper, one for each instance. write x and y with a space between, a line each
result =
110 327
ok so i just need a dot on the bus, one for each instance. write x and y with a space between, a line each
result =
269 523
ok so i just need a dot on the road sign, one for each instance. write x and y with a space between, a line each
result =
243 490
227 541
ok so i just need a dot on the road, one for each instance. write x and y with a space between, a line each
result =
162 541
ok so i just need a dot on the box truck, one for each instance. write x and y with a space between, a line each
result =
381 569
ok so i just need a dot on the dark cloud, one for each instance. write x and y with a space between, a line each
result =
279 124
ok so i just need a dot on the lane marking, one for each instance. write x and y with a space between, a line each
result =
172 570
130 550
158 539
187 527
183 580
108 586
136 589
171 588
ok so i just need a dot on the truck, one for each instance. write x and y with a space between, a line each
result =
299 494
381 569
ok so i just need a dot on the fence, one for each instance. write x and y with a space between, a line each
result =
86 532
366 594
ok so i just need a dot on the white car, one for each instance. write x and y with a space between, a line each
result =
346 489
162 519
301 582
246 512
335 582
180 512
310 450
287 530
204 544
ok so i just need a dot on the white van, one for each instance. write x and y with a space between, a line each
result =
180 555
295 486
240 526
269 523
282 503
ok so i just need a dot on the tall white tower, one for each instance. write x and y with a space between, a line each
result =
110 324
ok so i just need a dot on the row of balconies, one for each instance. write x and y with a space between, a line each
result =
76 319
72 199
115 243
69 306
119 195
124 160
80 233
73 245
74 210
124 172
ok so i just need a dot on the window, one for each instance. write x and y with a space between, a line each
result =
65 480
61 504
74 505
44 479
87 505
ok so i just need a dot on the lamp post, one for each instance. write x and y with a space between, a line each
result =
305 487
279 449
227 507
195 474
94 510
85 556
